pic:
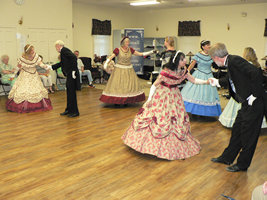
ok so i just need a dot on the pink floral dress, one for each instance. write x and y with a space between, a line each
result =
162 127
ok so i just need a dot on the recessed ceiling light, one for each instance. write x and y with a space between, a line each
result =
143 3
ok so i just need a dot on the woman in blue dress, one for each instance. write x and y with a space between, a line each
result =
202 100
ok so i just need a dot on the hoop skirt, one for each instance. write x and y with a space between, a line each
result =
227 118
28 93
123 87
162 127
201 99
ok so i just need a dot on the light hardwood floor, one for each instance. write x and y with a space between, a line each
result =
46 156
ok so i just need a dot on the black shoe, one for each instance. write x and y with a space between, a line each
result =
64 113
234 168
220 160
73 115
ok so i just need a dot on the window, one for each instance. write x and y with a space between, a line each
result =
101 45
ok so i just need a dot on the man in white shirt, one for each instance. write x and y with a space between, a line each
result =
82 71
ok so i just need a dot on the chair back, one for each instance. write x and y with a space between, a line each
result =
87 62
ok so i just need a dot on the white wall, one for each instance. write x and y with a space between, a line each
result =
47 16
244 31
82 18
59 15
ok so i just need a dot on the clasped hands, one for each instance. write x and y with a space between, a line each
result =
49 67
215 82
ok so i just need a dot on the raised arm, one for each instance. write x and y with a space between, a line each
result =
137 53
41 64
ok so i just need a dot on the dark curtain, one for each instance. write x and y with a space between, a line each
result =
189 28
265 30
101 27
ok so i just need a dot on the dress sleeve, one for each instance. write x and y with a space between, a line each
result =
196 58
132 50
116 51
42 65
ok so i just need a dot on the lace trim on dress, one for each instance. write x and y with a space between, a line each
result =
29 63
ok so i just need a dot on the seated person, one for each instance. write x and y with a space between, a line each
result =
60 73
59 70
8 72
45 77
97 59
82 71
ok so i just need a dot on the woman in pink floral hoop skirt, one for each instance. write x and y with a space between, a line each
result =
162 127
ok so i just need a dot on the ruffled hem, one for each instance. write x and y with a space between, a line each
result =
122 100
170 148
27 107
228 122
196 109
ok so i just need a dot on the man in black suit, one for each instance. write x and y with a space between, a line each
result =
68 63
245 86
265 91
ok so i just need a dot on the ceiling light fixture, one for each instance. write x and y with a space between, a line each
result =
143 3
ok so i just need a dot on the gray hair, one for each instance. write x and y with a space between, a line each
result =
59 42
218 50
4 57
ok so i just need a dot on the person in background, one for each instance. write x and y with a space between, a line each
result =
82 71
123 85
97 59
59 70
45 77
8 72
201 100
170 51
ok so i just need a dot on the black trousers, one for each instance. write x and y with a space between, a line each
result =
72 106
265 104
245 134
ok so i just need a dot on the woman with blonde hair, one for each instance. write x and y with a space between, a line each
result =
28 93
227 118
170 51
250 55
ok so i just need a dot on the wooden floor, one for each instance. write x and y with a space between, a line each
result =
44 156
